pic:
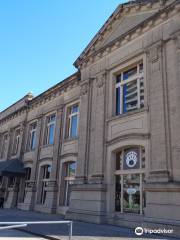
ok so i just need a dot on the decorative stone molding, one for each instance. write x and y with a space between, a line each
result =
84 89
162 3
49 95
161 175
178 42
10 132
31 186
176 38
22 126
100 80
126 9
154 52
96 179
80 180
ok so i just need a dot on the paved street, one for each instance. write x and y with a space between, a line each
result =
81 230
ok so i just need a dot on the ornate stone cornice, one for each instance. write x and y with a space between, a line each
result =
13 115
57 90
50 94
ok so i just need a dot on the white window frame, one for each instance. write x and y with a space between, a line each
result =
48 125
16 141
44 183
71 115
4 145
67 181
26 183
137 77
31 131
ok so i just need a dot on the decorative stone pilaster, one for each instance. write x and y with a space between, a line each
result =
22 140
9 144
12 197
157 114
1 142
57 136
34 170
52 189
173 71
81 174
51 197
30 196
96 153
32 188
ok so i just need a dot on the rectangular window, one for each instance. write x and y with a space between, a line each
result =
50 129
16 141
73 117
131 193
46 171
68 176
26 182
4 146
130 89
32 136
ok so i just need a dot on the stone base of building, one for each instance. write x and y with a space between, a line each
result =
29 201
85 216
163 201
44 208
87 203
50 204
11 201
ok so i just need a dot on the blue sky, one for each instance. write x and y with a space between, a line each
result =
40 40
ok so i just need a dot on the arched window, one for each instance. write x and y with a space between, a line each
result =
129 175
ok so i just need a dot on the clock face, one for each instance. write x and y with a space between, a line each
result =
131 159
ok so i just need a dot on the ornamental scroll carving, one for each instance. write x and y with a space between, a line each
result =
100 80
84 89
178 42
176 38
155 53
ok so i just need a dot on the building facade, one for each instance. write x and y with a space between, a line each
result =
103 145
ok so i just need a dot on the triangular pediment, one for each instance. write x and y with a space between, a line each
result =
125 18
124 25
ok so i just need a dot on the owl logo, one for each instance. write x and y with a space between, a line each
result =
131 159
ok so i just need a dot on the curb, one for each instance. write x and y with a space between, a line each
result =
37 234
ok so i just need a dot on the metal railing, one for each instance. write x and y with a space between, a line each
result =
24 224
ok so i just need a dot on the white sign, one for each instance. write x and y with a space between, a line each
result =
131 191
131 159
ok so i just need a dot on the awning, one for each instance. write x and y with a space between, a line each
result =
12 168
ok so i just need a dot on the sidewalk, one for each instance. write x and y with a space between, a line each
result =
81 230
17 235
